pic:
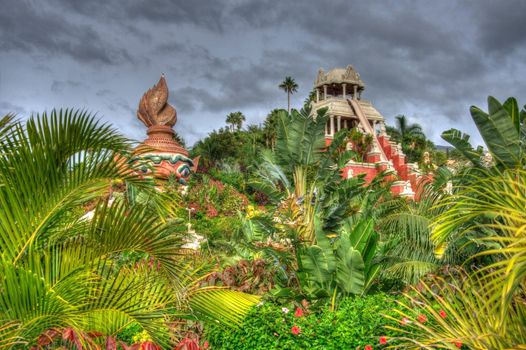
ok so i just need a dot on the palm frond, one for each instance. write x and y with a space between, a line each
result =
221 305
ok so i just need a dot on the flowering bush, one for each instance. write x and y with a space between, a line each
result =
213 198
356 323
248 276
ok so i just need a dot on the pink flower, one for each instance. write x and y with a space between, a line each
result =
299 312
205 344
405 321
442 314
383 339
295 330
368 347
458 344
422 318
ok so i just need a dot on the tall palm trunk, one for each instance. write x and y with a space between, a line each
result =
288 101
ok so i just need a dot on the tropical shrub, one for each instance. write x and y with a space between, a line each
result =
356 323
341 267
361 143
459 312
485 308
255 276
213 198
64 271
407 251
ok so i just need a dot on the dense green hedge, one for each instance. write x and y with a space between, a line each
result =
357 322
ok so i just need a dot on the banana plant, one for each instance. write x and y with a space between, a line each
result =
304 170
342 266
503 130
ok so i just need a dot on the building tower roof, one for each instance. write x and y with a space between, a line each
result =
346 75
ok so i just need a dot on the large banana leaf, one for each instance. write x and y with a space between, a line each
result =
301 138
319 264
350 270
502 129
499 131
460 141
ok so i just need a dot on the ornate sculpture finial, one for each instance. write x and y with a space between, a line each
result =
349 72
321 76
160 150
154 108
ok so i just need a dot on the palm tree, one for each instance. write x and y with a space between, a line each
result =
483 309
289 86
487 203
408 252
407 131
235 119
270 128
64 269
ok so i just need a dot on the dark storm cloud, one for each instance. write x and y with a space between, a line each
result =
29 27
501 26
202 13
427 59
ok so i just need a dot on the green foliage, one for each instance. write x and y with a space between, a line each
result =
460 313
212 197
361 143
486 306
270 128
238 148
407 252
356 323
411 137
235 119
290 86
61 269
254 276
342 267
302 177
502 128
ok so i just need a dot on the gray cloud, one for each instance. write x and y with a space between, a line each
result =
60 86
29 27
429 60
500 26
9 108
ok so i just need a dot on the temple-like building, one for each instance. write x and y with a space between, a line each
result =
340 91
160 153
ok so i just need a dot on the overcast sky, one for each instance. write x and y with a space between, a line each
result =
429 60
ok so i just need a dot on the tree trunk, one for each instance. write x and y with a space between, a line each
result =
288 101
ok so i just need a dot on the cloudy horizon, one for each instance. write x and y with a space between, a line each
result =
427 60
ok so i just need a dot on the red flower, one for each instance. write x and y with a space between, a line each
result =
295 330
368 347
383 340
442 314
458 344
148 345
205 344
299 312
422 318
